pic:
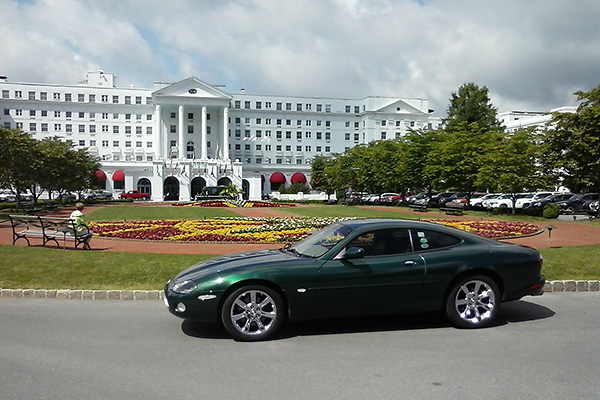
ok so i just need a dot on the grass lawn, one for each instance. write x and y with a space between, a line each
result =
41 268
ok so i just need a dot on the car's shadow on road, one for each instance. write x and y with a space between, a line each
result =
512 312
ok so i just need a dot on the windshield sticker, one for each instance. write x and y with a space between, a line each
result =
423 240
421 234
424 246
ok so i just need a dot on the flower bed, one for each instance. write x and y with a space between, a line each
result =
270 230
233 203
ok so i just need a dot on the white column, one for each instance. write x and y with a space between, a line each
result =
204 153
225 133
159 148
182 146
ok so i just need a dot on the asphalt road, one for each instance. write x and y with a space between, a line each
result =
544 348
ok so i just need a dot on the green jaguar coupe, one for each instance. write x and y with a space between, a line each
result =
358 268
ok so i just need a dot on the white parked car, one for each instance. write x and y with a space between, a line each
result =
526 201
477 202
6 196
503 201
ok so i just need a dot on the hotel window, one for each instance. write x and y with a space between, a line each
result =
92 98
278 134
246 104
115 116
128 117
383 122
267 147
148 117
82 143
238 146
288 121
279 122
104 115
148 130
81 98
347 109
57 127
128 143
81 114
44 96
92 143
319 123
356 137
279 106
31 95
128 130
247 133
148 100
19 113
279 161
138 144
237 104
190 115
247 120
238 133
356 124
347 124
115 129
44 127
327 107
258 134
258 121
115 143
258 160
190 129
138 117
81 128
138 99
308 148
149 145
383 136
278 147
319 136
173 115
6 111
32 113
32 127
173 128
307 107
105 143
127 99
138 130
268 104
319 149
56 114
258 105
5 94
327 136
288 106
298 135
347 136
105 98
356 109
92 128
298 161
247 147
319 107
288 134
298 148
56 96
258 147
69 128
208 130
104 128
299 122
288 147
327 149
67 97
327 123
298 106
115 99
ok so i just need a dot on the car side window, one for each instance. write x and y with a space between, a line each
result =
431 240
383 242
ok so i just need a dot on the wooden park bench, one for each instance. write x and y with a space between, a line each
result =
418 207
48 229
453 209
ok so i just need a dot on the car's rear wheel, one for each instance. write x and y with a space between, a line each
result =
571 210
473 302
252 313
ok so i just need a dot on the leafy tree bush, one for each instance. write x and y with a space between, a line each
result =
551 210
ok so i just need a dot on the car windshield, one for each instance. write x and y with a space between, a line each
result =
321 241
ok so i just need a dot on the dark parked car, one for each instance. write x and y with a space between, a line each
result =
211 193
440 199
358 268
591 208
555 198
575 203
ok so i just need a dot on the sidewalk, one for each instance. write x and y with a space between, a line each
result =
563 234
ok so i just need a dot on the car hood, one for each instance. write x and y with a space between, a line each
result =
235 262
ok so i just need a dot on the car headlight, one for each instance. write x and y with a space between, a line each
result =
184 287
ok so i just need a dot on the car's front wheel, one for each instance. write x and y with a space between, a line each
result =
473 302
252 313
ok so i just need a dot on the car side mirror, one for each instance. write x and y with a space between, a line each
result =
353 253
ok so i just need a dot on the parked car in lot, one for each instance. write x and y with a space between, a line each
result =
591 207
477 202
502 201
135 195
420 196
527 199
442 198
103 194
576 202
555 198
7 196
383 263
211 193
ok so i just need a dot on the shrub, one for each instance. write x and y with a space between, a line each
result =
551 210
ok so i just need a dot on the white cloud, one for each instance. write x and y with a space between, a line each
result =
531 55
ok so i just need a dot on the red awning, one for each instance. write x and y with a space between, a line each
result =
119 175
298 177
100 175
277 177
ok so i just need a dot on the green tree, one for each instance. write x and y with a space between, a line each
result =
418 146
471 104
18 161
319 178
573 142
511 165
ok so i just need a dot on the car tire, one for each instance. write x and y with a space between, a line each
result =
253 313
473 302
570 210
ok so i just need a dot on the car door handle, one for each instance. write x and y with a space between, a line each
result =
409 262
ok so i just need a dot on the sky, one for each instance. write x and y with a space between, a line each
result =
532 55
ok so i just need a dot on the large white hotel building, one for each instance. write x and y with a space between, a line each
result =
179 137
